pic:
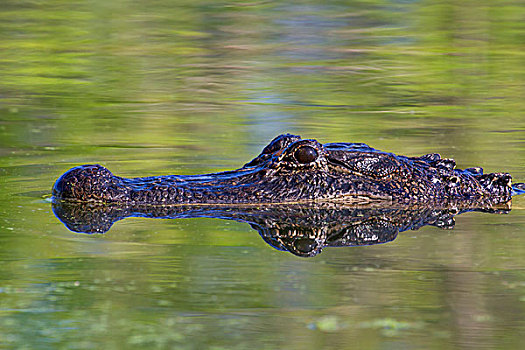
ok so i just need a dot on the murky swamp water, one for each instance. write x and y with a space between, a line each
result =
190 87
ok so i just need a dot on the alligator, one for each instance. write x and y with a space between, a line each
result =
301 229
295 170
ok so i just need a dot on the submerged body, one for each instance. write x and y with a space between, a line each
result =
291 170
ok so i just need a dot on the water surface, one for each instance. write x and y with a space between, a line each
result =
198 86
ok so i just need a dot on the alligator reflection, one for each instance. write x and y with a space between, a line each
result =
303 230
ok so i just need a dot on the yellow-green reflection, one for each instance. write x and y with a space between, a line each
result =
195 86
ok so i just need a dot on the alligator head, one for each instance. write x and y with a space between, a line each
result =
293 170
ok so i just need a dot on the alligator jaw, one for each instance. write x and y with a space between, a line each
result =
96 184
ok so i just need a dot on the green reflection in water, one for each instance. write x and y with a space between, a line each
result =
189 87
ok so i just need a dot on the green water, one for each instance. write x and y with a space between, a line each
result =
185 87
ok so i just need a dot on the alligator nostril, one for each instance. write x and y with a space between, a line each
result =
305 154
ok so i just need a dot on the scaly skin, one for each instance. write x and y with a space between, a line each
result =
293 170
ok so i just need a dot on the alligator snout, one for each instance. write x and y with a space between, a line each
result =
83 183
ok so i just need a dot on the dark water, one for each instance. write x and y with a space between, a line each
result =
192 87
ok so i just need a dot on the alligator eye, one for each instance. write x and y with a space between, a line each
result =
305 155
